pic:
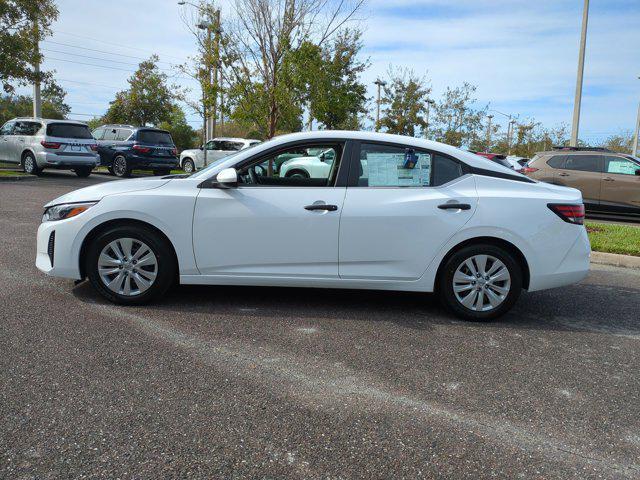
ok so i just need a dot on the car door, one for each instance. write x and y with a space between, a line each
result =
584 172
620 184
270 226
6 142
23 133
401 206
106 145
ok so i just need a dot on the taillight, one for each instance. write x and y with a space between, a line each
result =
53 145
174 152
528 170
141 149
94 147
570 213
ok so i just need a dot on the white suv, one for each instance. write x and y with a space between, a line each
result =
192 160
38 143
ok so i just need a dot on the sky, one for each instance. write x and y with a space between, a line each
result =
521 55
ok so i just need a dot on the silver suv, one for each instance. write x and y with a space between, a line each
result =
38 143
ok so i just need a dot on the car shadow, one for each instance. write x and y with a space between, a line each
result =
582 307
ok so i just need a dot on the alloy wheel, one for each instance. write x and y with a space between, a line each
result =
481 283
28 164
127 266
187 167
120 166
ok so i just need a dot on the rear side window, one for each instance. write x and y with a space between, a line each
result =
557 161
123 133
584 163
98 133
26 128
445 170
154 137
231 146
68 130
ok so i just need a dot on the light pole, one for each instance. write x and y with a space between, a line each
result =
575 126
637 134
511 122
211 60
490 117
510 135
426 130
380 84
37 100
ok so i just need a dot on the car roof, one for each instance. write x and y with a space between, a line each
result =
47 120
234 139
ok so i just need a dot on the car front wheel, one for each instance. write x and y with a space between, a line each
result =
130 265
480 282
188 166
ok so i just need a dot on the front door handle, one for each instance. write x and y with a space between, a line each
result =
454 206
321 206
563 174
608 179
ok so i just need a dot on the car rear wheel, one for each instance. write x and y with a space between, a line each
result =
480 282
83 172
121 167
29 164
188 166
130 265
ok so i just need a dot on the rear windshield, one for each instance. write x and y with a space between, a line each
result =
68 130
154 137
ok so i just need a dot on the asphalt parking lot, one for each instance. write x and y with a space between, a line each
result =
235 382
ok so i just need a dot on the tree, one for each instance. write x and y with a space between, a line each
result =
256 47
457 121
327 80
23 23
405 99
183 135
622 142
148 100
53 104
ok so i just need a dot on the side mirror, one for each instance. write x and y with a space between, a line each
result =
227 178
201 147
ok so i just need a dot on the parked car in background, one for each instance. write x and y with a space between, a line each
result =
193 159
609 181
496 158
517 163
123 148
313 163
392 213
39 143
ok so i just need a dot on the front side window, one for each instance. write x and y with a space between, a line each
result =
391 166
7 128
620 165
110 134
584 163
231 146
300 166
68 130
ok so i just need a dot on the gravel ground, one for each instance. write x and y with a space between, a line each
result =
235 382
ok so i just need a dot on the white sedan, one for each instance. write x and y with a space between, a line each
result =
392 213
193 159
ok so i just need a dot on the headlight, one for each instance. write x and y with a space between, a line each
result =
65 210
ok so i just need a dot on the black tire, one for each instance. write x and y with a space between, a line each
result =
29 164
188 166
445 284
110 169
120 167
164 171
167 266
297 174
83 172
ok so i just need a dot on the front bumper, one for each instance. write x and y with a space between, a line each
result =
55 257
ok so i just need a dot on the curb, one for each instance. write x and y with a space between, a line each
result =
17 178
626 261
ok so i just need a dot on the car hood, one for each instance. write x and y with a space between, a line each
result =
98 192
192 151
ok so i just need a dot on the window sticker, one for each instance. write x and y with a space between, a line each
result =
390 169
622 166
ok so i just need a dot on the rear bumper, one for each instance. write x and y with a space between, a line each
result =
143 163
54 160
573 267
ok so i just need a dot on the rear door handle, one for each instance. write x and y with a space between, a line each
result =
321 206
563 174
608 179
454 206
